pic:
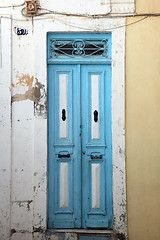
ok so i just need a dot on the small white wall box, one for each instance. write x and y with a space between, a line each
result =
31 7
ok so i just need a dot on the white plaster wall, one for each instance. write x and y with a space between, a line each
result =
23 121
22 131
5 128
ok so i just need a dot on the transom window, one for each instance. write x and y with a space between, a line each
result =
78 48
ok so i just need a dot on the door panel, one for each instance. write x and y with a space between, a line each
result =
96 146
80 155
64 197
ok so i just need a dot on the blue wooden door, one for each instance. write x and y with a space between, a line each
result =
79 152
96 146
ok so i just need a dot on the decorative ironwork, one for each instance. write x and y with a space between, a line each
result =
78 48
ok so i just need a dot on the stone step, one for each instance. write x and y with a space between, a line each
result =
80 234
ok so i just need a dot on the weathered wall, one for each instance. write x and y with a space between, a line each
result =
143 124
23 117
5 127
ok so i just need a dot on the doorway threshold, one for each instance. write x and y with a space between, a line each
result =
81 234
86 231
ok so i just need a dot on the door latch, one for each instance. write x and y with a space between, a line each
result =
64 155
96 157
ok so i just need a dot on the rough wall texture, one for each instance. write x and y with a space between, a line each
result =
24 93
143 126
5 128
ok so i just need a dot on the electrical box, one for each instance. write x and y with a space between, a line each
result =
31 7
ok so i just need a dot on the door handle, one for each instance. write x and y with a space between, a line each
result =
63 114
96 157
95 115
63 155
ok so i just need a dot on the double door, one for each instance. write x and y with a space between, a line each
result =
79 146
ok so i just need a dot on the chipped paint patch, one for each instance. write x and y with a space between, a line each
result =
36 93
120 236
13 231
22 215
40 100
24 80
28 204
28 95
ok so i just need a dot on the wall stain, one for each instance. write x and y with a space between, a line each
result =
40 100
13 231
39 229
20 204
28 204
36 93
121 236
122 217
28 95
24 80
34 188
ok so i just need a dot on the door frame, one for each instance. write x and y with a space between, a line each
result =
118 117
63 60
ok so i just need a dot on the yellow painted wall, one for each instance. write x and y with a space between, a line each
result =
143 125
147 6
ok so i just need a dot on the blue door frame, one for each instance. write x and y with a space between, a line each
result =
79 137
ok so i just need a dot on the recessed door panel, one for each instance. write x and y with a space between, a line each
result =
63 105
95 116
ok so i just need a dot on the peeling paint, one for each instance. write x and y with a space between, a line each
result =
34 188
27 87
24 80
39 229
28 204
13 231
120 150
28 95
20 204
37 94
121 236
40 100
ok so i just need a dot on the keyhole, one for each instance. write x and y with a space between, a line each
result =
63 114
95 116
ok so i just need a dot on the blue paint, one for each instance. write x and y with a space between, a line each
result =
78 48
81 59
96 217
63 217
79 214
